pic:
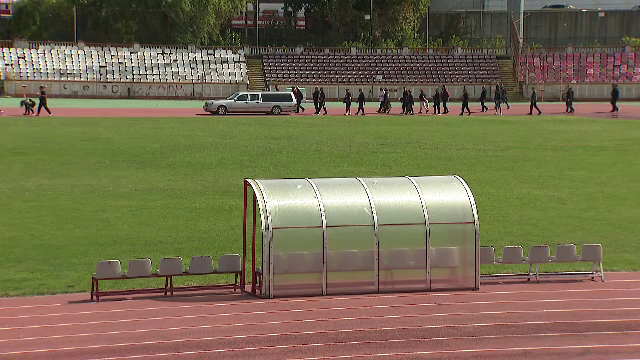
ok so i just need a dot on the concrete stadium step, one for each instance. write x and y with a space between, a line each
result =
509 80
255 73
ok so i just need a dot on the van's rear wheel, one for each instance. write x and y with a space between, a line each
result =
276 110
222 110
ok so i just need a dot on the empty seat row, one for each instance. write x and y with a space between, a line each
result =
123 64
580 68
381 68
169 267
541 254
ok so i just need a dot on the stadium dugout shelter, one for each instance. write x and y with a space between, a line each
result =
359 235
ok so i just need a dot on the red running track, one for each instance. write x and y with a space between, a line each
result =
597 110
551 320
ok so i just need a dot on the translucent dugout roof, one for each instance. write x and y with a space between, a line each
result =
360 235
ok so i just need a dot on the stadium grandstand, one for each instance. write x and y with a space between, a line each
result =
127 64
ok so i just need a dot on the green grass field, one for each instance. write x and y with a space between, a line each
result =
74 191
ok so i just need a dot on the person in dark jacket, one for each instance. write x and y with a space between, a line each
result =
465 102
298 94
424 102
28 105
347 102
534 102
436 102
444 97
403 100
361 102
483 97
503 93
387 101
615 95
316 93
497 100
569 98
42 103
381 99
410 102
322 102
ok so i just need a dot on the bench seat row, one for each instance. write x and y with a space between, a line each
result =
541 254
169 268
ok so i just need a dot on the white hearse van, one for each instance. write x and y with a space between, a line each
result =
253 102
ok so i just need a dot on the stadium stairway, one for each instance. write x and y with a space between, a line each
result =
256 74
509 80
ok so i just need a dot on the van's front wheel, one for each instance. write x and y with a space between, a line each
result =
276 110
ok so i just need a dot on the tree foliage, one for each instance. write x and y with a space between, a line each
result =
201 22
395 23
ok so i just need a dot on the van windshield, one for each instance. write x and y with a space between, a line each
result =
231 97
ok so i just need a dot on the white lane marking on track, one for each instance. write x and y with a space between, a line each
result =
567 347
340 343
346 330
312 310
317 299
265 312
311 332
27 306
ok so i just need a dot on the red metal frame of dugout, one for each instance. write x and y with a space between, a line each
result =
256 285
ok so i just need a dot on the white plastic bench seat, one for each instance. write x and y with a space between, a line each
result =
487 255
108 269
539 254
200 265
170 266
139 268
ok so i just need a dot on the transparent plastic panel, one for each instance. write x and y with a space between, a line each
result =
351 238
396 200
402 232
297 237
292 203
403 258
446 199
297 264
453 256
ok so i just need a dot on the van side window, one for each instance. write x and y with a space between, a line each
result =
242 97
254 97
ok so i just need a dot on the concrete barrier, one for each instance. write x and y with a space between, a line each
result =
86 89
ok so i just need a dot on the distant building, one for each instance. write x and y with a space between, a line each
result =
271 14
501 5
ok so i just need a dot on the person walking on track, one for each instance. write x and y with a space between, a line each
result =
615 95
381 99
298 94
465 102
42 101
322 102
316 93
410 102
347 102
503 92
483 98
497 100
444 97
424 102
569 98
361 102
436 101
534 102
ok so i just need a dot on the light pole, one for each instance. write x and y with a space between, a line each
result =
371 25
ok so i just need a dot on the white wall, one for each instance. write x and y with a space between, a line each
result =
553 92
81 89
